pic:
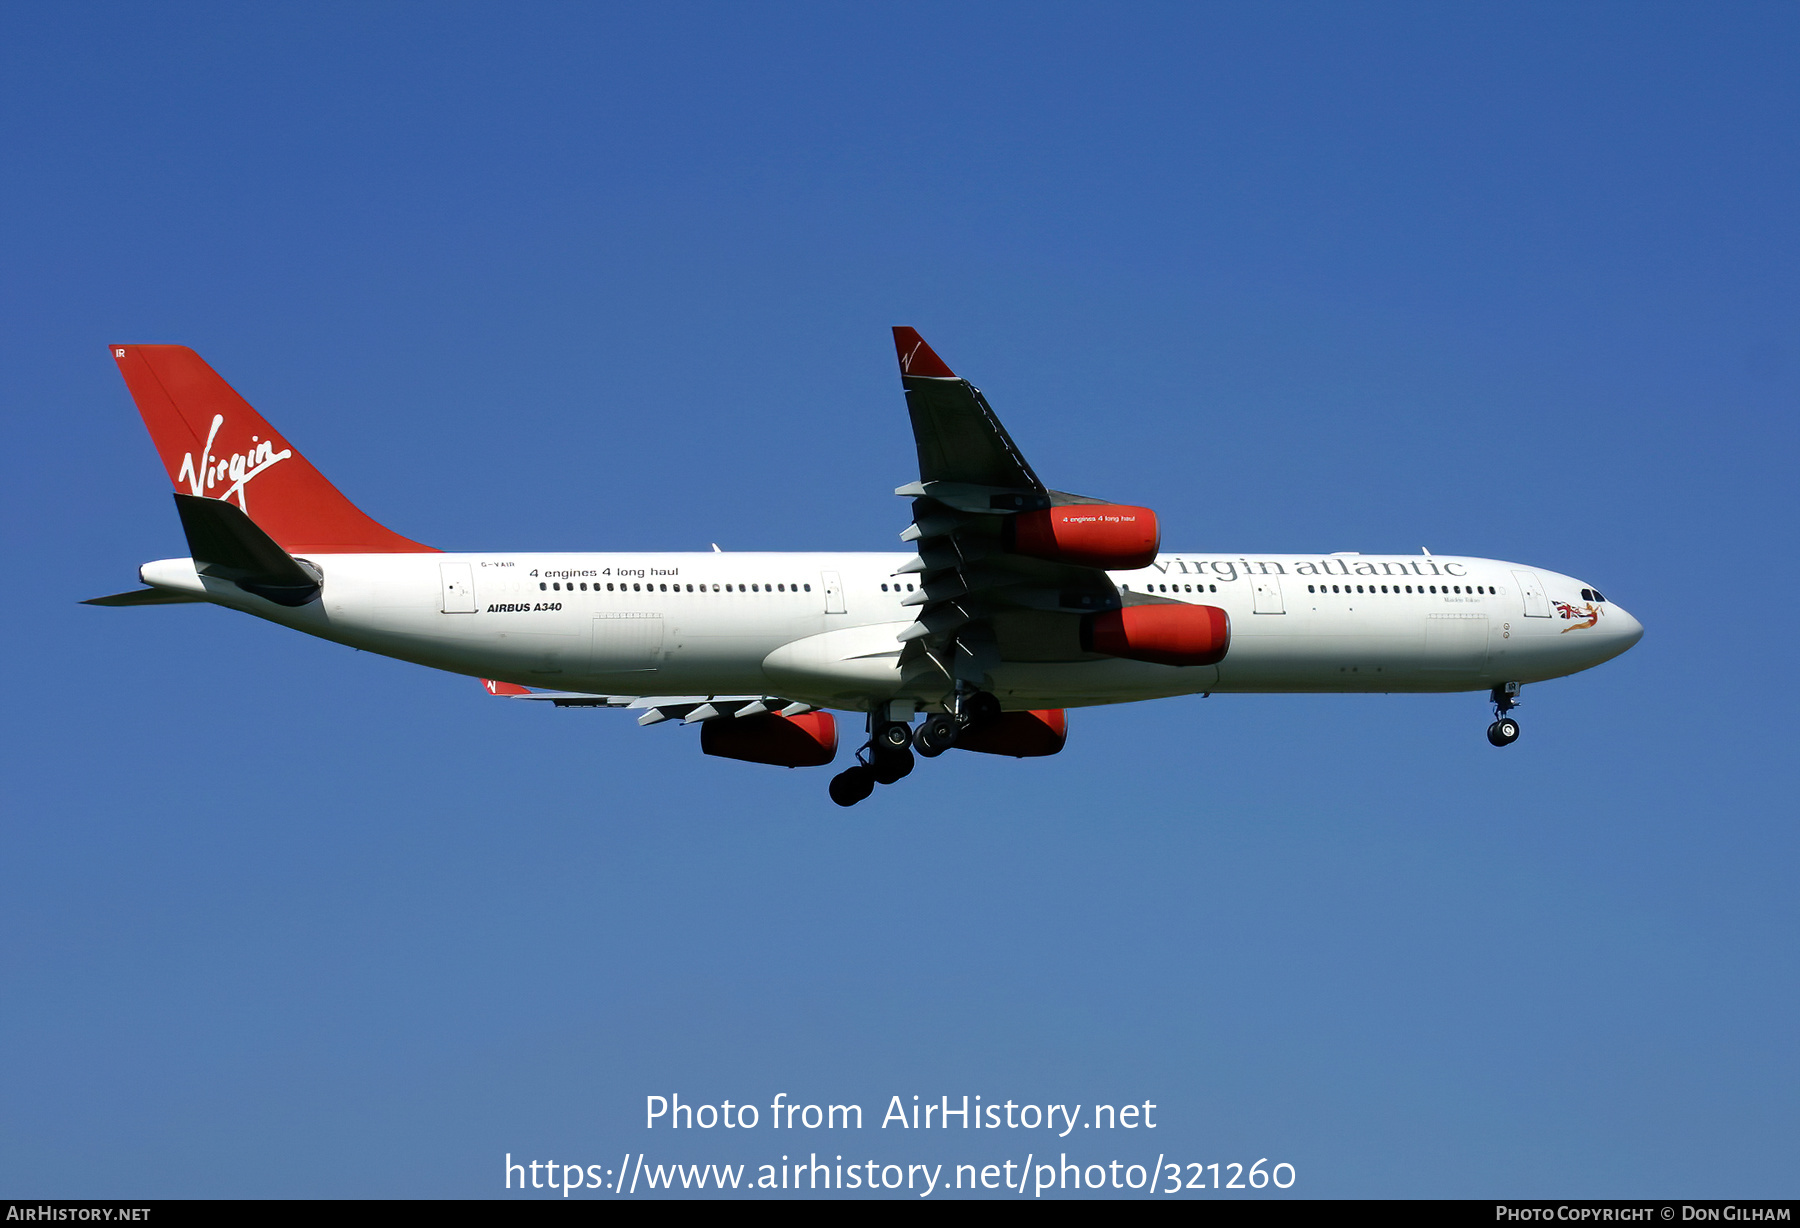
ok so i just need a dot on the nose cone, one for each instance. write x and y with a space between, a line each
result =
1622 629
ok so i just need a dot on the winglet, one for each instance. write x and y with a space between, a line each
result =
917 358
504 688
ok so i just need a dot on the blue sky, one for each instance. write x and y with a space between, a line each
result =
1516 281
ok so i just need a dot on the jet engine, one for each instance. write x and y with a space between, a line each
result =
1173 634
806 740
1023 735
1110 536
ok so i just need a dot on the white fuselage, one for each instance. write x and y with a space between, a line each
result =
821 628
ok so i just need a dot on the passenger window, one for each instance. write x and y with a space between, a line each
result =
542 587
809 588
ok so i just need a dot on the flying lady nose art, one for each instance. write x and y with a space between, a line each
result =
1588 612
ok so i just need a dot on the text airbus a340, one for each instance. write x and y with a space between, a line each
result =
1011 603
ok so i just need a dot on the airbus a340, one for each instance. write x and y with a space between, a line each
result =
1011 603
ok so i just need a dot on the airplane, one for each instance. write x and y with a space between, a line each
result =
1011 603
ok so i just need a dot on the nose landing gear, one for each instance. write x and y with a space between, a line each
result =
1504 731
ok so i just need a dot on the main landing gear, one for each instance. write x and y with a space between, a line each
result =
973 710
888 757
1505 730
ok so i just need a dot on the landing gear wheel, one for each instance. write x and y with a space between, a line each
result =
893 736
980 710
892 765
852 785
935 736
1504 732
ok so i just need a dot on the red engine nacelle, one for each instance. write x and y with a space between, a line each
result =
806 740
1023 735
1105 535
1161 634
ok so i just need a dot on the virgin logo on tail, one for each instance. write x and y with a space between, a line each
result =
240 467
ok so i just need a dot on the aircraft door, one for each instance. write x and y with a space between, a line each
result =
459 587
1268 594
1531 591
834 591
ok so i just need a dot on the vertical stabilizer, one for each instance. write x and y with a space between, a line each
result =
214 445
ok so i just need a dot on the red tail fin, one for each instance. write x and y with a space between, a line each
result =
214 445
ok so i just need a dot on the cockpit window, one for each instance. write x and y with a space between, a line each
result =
1592 594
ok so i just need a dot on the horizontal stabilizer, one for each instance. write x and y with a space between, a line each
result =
227 545
146 596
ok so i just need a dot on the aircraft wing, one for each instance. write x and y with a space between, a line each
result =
981 603
688 709
960 440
